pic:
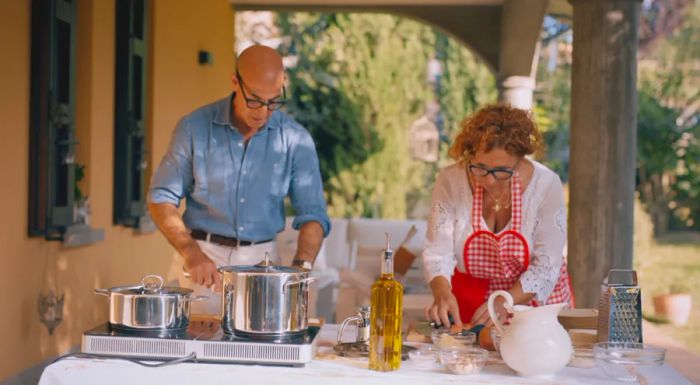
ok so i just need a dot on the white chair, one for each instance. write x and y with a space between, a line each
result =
367 241
333 252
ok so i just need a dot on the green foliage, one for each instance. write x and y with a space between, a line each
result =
358 85
79 176
669 128
679 288
656 135
551 110
668 153
668 159
466 85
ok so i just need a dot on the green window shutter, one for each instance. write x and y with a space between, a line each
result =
130 156
52 120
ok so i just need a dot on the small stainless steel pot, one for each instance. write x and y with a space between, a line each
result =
149 306
265 301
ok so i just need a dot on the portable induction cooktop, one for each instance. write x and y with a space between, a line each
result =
205 341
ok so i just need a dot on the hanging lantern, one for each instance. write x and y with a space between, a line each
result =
424 140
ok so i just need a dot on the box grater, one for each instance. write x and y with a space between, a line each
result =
620 308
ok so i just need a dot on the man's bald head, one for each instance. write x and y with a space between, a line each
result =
259 65
260 78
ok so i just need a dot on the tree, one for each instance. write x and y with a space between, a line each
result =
358 84
669 131
668 159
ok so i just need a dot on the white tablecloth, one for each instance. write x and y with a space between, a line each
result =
325 369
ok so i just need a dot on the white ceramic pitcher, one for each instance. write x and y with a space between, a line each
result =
534 344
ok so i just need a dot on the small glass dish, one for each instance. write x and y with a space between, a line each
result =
469 360
620 360
437 333
426 357
463 338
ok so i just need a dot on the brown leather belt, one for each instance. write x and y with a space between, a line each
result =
223 240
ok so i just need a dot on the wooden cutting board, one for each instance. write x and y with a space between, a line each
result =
579 318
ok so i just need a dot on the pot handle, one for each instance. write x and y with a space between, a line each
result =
305 280
102 292
345 323
492 312
199 297
152 283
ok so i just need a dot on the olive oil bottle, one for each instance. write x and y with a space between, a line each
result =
385 317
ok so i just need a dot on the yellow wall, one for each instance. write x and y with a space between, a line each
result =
178 84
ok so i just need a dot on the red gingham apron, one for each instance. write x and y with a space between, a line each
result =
496 261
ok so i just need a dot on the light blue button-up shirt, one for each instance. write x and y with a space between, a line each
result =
236 190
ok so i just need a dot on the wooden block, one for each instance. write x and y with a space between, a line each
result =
316 321
583 337
579 318
414 336
403 259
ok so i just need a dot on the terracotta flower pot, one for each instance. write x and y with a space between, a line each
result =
673 307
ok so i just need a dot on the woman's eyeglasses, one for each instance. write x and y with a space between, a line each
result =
272 104
499 173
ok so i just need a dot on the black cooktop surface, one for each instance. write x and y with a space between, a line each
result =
204 330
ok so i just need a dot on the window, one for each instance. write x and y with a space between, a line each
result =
52 120
130 156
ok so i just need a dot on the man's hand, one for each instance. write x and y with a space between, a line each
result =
444 304
308 245
302 265
202 270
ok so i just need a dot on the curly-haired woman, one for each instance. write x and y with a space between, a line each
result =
498 221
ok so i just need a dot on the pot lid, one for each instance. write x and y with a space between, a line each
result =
263 267
260 269
151 285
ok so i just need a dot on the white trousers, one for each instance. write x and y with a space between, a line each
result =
223 256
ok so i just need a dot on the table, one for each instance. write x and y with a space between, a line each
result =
325 369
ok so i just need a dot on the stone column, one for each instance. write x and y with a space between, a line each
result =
603 142
517 91
521 26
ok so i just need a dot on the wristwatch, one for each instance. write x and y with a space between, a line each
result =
304 264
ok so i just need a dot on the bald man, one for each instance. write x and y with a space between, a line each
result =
234 161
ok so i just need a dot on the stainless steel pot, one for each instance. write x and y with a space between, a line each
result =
149 306
265 301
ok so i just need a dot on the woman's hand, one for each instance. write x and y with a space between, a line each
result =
444 304
481 315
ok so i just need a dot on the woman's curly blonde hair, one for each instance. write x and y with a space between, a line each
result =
497 126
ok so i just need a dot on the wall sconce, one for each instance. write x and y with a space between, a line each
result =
205 58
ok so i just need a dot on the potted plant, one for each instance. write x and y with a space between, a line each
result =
675 305
81 207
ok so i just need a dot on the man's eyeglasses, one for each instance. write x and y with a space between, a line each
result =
272 104
499 173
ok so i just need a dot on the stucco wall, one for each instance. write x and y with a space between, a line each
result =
178 84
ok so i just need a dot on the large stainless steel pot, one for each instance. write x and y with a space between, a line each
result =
149 306
265 301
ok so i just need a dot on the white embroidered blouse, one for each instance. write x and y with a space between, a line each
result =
543 226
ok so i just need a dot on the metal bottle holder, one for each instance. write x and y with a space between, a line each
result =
360 347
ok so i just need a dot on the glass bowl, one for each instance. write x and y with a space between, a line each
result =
468 360
620 360
426 357
437 333
446 339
